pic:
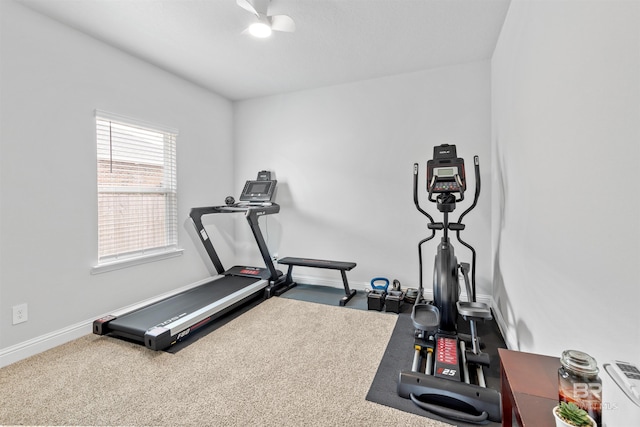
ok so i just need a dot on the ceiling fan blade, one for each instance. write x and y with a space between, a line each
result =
282 23
246 5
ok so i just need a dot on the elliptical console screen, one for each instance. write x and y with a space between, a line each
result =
258 191
445 172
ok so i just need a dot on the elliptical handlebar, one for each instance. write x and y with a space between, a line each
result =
476 164
431 222
415 193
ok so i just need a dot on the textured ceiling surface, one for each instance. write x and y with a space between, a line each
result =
335 42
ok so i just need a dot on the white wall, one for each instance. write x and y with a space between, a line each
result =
344 158
561 97
52 79
565 147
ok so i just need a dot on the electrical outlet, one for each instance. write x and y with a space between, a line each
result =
19 313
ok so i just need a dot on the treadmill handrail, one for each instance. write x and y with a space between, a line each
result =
252 214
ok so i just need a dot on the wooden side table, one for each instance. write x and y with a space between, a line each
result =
529 387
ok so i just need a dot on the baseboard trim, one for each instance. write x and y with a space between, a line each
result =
42 343
502 325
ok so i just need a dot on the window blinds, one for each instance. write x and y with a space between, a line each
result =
137 197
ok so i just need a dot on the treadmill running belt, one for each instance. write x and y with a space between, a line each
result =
138 322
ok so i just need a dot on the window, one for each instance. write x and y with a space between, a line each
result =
137 199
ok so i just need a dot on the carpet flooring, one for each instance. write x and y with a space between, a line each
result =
284 362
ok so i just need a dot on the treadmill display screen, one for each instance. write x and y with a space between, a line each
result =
258 187
258 191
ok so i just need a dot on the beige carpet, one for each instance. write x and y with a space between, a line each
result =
284 362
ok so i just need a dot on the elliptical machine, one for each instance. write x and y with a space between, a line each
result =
446 377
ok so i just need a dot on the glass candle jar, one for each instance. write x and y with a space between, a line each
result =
578 382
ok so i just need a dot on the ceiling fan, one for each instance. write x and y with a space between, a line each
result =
266 23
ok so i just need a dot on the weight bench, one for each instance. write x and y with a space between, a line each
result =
319 263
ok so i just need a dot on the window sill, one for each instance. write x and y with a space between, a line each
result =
129 262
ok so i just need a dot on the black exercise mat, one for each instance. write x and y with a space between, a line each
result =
399 356
325 295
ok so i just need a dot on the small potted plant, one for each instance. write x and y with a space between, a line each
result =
570 415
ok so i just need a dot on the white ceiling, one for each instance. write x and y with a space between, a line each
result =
336 41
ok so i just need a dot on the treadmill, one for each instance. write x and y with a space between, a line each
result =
163 323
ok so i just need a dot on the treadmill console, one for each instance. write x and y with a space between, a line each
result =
261 190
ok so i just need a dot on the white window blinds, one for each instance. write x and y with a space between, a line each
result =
137 198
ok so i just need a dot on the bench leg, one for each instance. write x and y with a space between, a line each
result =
348 292
289 277
288 283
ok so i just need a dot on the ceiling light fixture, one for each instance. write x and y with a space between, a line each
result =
260 30
266 23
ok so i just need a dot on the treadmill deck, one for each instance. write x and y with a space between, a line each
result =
176 307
